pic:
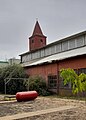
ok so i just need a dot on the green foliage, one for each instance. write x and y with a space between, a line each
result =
38 84
12 71
82 80
78 82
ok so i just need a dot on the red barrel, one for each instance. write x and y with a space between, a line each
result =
26 96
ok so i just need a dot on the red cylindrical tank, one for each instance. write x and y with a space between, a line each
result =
26 96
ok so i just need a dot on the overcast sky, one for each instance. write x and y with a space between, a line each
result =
57 18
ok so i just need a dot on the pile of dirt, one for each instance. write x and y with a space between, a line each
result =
42 103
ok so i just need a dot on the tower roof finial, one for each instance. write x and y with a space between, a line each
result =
36 19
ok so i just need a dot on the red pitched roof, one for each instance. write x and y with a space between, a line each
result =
37 30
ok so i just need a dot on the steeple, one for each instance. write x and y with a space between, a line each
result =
37 30
37 40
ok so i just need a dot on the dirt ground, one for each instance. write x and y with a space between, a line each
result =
41 103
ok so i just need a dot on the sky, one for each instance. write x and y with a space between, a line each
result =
57 18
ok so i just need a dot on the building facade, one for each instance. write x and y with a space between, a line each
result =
13 61
10 61
3 64
48 60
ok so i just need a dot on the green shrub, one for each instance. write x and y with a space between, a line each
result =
38 84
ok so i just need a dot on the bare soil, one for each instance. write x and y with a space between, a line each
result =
41 103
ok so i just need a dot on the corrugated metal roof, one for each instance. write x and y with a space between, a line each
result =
60 56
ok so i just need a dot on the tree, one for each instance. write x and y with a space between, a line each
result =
12 71
78 82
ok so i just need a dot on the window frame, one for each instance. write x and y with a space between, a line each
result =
52 81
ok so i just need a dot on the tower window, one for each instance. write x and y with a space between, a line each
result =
41 40
32 41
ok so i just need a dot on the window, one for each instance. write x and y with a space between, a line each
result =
42 52
58 47
76 71
80 41
52 81
85 39
53 49
71 44
41 40
48 51
82 70
64 45
32 41
67 86
61 84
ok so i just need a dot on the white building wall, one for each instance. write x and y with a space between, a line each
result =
14 61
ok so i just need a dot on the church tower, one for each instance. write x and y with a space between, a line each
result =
37 40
